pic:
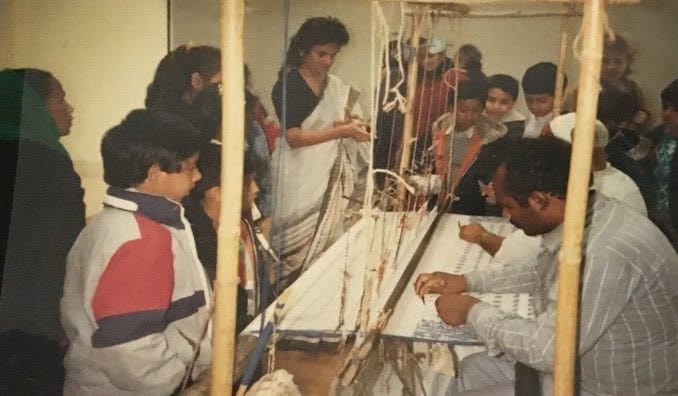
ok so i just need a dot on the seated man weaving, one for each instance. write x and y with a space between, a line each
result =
628 343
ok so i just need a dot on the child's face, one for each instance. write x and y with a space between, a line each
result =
539 104
614 66
498 103
468 113
176 186
431 61
249 192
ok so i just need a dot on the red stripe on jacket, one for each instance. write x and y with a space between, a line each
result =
140 274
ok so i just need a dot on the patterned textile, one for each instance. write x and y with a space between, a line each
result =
665 152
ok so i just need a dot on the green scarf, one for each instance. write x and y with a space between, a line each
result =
24 115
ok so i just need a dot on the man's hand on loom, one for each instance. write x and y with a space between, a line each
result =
439 283
453 308
471 232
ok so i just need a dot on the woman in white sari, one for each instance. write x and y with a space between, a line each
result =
317 160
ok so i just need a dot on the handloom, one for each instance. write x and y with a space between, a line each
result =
378 278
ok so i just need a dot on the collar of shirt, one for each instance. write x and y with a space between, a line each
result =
156 208
551 241
467 133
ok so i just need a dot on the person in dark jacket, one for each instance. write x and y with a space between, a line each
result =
41 212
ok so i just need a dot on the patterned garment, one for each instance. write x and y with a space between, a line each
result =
665 152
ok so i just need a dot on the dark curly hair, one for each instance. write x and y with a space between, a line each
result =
315 31
541 164
541 79
504 82
143 139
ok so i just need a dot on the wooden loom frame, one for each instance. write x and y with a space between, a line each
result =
225 285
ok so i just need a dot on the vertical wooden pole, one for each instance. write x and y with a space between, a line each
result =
408 128
562 55
567 308
228 238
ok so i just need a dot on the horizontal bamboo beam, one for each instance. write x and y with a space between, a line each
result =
515 14
470 2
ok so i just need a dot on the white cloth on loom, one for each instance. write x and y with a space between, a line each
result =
300 181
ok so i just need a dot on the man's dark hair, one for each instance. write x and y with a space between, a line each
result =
541 79
669 95
315 31
143 139
541 164
504 82
615 105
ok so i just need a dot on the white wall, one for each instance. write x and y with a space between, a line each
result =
509 45
103 52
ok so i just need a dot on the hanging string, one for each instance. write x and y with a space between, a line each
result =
447 195
275 191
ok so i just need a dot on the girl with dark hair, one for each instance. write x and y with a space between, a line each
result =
181 75
42 212
311 166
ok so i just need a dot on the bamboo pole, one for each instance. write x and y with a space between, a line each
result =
228 235
408 128
567 308
562 55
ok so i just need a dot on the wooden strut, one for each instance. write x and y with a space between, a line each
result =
408 127
567 307
470 2
562 55
490 15
228 234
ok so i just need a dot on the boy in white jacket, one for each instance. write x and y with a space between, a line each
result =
136 304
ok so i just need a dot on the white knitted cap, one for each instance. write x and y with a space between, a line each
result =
563 125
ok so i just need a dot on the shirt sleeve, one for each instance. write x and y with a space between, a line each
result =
606 289
503 279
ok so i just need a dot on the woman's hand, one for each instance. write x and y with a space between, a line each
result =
355 130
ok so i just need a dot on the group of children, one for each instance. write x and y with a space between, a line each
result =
481 124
